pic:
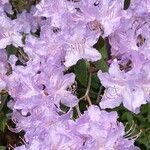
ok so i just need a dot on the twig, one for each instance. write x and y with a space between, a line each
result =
89 100
99 93
78 110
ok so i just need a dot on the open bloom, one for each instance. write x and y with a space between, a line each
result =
106 13
95 129
79 46
100 130
132 36
9 33
130 88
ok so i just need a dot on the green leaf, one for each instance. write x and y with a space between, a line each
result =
3 98
11 50
103 52
20 5
102 65
95 84
3 112
102 48
2 148
81 72
127 4
3 121
128 117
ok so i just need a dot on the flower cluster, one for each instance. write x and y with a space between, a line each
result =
94 130
128 79
52 37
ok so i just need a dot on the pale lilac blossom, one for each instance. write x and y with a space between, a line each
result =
9 33
129 88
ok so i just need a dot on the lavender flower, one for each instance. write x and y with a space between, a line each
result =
130 88
9 33
95 129
132 36
101 130
79 46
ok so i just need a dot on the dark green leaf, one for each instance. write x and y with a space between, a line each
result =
3 121
103 52
81 72
3 98
101 47
126 4
11 50
95 83
101 65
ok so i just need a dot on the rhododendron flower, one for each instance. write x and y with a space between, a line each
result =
79 47
95 129
101 130
144 6
9 33
132 36
130 88
49 126
32 85
106 12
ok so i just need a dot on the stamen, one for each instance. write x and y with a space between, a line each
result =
72 88
130 134
132 131
134 137
132 126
